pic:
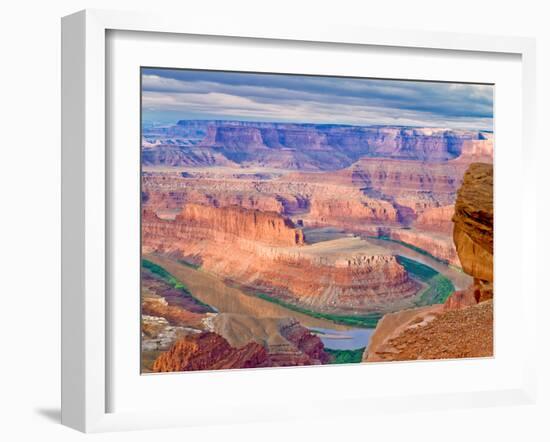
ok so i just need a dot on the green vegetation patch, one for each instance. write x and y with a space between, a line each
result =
439 287
164 275
417 269
437 292
169 279
345 356
366 321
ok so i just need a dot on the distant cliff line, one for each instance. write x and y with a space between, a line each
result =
303 146
257 123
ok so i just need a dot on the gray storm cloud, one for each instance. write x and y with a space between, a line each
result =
185 94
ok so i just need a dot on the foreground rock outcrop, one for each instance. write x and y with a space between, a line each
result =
434 333
473 222
209 351
240 341
463 326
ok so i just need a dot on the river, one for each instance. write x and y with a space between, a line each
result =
211 290
351 339
459 279
226 299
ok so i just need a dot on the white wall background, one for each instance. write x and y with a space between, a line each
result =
30 220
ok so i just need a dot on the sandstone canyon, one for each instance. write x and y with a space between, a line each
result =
284 244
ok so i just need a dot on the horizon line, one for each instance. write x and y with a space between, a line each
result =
302 123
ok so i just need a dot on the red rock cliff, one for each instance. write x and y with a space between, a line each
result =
264 227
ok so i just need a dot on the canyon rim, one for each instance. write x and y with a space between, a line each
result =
299 220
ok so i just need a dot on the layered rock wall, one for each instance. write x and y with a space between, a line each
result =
301 146
230 223
351 212
436 219
396 177
438 245
255 225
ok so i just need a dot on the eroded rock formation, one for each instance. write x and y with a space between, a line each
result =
385 177
369 194
269 256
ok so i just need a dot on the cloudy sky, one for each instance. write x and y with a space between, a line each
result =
169 95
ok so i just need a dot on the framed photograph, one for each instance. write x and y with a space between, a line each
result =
270 222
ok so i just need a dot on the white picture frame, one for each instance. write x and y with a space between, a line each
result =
85 214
